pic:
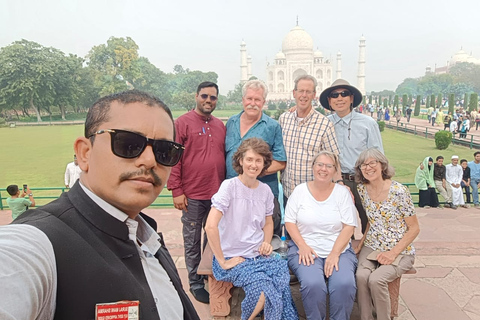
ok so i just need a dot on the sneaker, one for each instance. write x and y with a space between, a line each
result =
446 205
201 295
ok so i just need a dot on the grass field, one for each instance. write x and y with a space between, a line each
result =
37 156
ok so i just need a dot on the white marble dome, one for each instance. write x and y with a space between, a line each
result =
318 54
280 55
460 56
297 40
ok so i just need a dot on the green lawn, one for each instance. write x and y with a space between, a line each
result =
38 155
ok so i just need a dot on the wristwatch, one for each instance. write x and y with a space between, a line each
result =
30 194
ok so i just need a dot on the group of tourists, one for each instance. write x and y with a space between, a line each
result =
318 157
224 178
451 181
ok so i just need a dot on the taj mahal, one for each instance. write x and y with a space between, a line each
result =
297 58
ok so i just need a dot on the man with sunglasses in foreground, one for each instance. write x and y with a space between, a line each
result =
355 133
197 177
92 248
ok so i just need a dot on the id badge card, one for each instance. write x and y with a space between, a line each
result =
125 310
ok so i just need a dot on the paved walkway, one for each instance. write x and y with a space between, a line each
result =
447 283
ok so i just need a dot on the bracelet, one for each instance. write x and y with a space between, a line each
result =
340 180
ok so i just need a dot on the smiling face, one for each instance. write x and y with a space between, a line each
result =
206 106
304 95
341 105
128 184
253 102
323 168
252 164
371 169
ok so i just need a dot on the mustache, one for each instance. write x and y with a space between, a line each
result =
157 181
253 107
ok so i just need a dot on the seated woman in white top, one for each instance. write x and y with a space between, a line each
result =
320 218
240 228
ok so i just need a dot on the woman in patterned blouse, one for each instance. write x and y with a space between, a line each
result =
385 250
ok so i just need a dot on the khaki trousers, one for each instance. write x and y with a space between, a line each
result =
445 192
372 284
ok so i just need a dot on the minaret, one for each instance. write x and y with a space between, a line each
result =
249 67
339 65
243 63
361 66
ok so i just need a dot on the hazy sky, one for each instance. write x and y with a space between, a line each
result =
402 37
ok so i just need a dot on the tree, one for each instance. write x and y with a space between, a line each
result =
184 99
408 86
466 100
439 100
460 89
451 103
152 80
235 95
432 101
395 102
28 76
427 104
473 105
468 73
416 112
114 64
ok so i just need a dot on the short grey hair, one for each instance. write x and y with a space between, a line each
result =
255 85
387 169
306 77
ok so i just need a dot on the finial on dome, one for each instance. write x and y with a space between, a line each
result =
297 20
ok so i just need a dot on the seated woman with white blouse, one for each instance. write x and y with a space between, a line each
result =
320 218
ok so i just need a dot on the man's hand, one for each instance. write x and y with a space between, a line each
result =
180 202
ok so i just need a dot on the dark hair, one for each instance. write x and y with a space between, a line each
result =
475 154
430 159
12 189
463 160
206 84
387 170
99 111
257 145
439 157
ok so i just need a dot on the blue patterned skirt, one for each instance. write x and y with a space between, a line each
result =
257 275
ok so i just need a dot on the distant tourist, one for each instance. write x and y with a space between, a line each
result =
18 203
475 177
409 113
454 176
72 172
425 184
444 188
466 179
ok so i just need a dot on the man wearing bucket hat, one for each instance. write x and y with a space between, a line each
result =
355 133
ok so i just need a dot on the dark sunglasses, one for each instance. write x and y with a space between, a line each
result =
335 95
205 97
127 144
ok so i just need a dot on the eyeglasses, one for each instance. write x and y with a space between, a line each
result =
127 144
335 95
307 92
371 164
326 165
205 96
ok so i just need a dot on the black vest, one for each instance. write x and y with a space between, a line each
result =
96 261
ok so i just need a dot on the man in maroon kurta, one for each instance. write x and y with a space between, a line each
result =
198 175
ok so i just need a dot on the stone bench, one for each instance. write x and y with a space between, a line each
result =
221 291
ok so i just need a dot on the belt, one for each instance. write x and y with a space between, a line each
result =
348 176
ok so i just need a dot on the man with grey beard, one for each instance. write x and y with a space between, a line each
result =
252 122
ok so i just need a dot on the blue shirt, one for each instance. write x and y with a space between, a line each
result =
355 133
474 170
267 129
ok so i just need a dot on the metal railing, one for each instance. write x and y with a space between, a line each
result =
43 196
46 195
